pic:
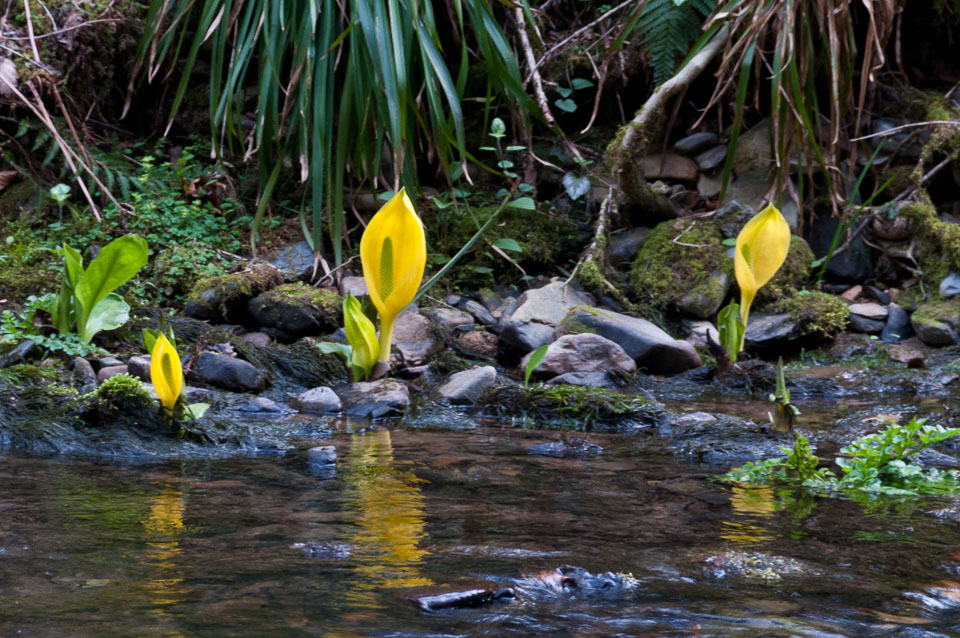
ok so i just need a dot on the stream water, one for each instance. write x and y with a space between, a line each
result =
272 545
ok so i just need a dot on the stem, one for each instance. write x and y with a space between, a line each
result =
386 338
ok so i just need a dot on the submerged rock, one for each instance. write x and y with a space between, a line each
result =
323 454
468 386
374 399
565 449
755 566
589 379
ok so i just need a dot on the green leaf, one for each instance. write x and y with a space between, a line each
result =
580 83
731 330
567 105
328 347
110 313
576 185
564 91
116 264
197 410
512 148
506 243
535 359
523 203
729 241
497 128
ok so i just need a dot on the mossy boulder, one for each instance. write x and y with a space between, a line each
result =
792 274
224 298
683 261
296 310
937 322
939 242
816 314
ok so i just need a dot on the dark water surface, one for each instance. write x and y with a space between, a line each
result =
272 546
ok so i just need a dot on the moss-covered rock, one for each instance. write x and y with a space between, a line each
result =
224 298
791 277
580 407
939 242
297 310
682 259
816 313
937 322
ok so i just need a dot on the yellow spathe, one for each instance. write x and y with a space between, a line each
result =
166 373
761 249
393 251
361 335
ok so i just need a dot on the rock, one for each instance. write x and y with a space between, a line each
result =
297 310
868 326
448 318
731 218
696 142
261 405
531 324
322 400
480 343
459 598
907 143
452 300
373 399
228 373
770 332
84 374
356 286
625 246
711 159
468 386
139 367
19 354
575 448
881 297
480 313
322 454
414 338
110 371
709 186
936 333
897 327
852 293
950 285
751 190
581 353
224 298
669 166
853 265
870 311
107 362
754 152
295 261
257 338
588 379
705 301
650 347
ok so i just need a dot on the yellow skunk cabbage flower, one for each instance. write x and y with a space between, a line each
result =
362 336
762 247
393 251
166 373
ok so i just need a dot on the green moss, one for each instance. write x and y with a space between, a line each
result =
327 302
236 287
793 274
678 259
941 311
816 313
575 406
939 242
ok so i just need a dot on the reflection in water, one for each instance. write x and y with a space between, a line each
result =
163 531
753 507
390 522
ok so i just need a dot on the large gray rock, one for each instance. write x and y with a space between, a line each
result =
228 373
897 327
754 152
531 323
415 338
584 352
321 400
297 310
588 379
769 332
625 246
468 386
854 265
374 399
650 347
936 333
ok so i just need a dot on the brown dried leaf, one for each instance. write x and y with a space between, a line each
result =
7 178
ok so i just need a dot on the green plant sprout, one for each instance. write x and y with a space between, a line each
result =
784 412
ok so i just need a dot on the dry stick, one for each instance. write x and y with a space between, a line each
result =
33 40
73 131
891 131
58 31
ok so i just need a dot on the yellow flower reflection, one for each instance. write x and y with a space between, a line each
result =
163 529
753 507
390 519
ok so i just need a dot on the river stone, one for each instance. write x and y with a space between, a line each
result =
479 342
897 327
373 399
468 386
950 285
414 338
106 362
584 352
854 265
863 324
625 246
532 322
228 373
480 313
449 318
754 152
296 310
110 371
751 189
295 261
84 374
704 301
669 166
935 333
709 186
19 354
770 332
711 159
869 311
731 218
696 142
139 367
257 338
588 379
261 405
322 454
356 286
321 400
653 349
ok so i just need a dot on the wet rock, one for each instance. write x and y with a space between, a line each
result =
935 333
261 405
938 596
588 379
373 399
321 400
297 310
107 362
696 142
950 286
699 331
468 386
110 371
755 565
711 159
577 582
257 338
731 218
865 325
323 454
937 323
897 328
566 449
531 324
854 265
650 347
414 337
770 332
709 186
295 261
480 313
581 353
704 301
85 376
869 311
448 319
669 166
228 373
480 343
754 150
23 351
356 286
139 367
625 246
472 595
224 298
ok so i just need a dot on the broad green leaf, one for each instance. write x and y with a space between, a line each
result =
197 410
566 104
564 91
110 313
535 359
576 185
731 330
508 243
116 264
581 83
523 203
328 347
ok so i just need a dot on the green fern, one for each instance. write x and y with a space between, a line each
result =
669 29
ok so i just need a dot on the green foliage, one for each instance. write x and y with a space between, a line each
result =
580 407
20 326
816 313
535 359
669 28
784 412
875 463
731 329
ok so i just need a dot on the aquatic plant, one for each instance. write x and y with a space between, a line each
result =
364 348
166 374
784 412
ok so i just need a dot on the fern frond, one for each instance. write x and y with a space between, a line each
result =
669 28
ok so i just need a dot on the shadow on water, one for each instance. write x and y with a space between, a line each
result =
609 544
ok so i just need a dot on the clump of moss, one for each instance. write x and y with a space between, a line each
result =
123 393
223 295
939 242
816 313
575 406
324 306
940 311
678 259
299 364
792 274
